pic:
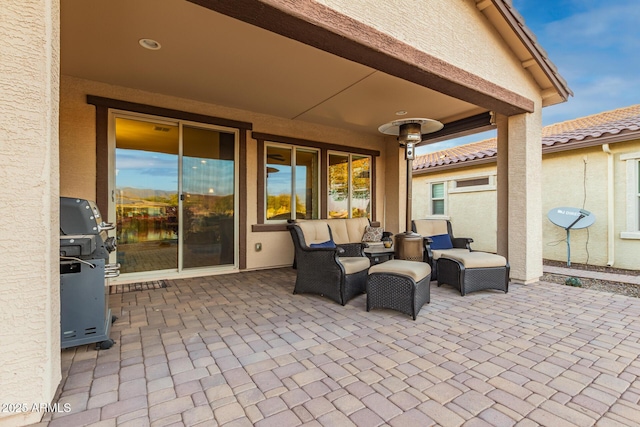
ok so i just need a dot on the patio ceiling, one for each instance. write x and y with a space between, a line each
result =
210 57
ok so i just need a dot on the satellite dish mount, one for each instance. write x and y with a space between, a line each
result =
571 218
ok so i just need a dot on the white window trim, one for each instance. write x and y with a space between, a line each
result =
445 185
633 205
488 187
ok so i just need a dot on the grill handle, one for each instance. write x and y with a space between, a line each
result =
105 226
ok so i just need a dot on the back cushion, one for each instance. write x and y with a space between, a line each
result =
355 228
314 231
339 230
431 227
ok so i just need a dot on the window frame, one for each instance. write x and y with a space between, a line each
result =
632 161
294 149
432 199
263 138
350 156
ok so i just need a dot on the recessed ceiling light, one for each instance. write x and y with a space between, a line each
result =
401 113
149 44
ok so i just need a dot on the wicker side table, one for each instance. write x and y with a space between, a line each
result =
399 285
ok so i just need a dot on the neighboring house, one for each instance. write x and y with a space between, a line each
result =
592 163
199 127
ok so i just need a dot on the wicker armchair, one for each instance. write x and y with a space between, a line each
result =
435 228
338 273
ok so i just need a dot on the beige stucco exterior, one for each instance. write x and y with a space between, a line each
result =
479 221
29 295
574 178
48 150
458 23
78 148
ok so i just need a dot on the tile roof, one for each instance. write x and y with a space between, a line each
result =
572 132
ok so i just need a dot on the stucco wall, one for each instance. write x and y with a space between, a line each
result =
570 168
471 210
626 250
29 231
458 23
77 152
574 178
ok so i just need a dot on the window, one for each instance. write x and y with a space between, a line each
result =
304 179
291 183
633 196
437 198
473 182
349 186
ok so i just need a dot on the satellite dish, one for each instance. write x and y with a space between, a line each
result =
571 218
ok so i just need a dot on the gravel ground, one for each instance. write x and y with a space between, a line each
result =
626 289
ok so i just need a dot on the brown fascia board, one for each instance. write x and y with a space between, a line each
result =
469 125
528 39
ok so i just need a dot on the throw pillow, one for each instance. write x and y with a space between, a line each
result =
372 234
327 244
441 241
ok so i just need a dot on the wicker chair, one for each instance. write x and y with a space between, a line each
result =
338 273
429 228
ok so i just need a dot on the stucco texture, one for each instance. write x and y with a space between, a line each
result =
458 23
78 162
575 178
29 295
582 177
471 210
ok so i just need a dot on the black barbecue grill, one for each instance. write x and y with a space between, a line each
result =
85 316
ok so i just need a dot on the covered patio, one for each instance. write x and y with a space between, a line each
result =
258 78
241 350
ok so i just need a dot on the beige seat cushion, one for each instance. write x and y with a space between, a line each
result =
431 227
314 231
440 252
477 259
354 264
416 270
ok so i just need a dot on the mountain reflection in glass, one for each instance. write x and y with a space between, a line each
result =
208 205
151 220
146 196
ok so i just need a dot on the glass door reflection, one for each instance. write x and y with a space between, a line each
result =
208 206
146 195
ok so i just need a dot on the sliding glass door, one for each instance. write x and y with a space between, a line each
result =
208 205
174 195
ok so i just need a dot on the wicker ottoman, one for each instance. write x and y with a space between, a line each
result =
399 285
474 271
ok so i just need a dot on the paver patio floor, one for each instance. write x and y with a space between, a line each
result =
241 350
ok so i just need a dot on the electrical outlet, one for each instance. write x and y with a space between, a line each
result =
258 247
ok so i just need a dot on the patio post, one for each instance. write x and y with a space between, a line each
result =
30 268
524 209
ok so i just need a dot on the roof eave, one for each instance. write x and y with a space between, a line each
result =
559 91
591 141
449 166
